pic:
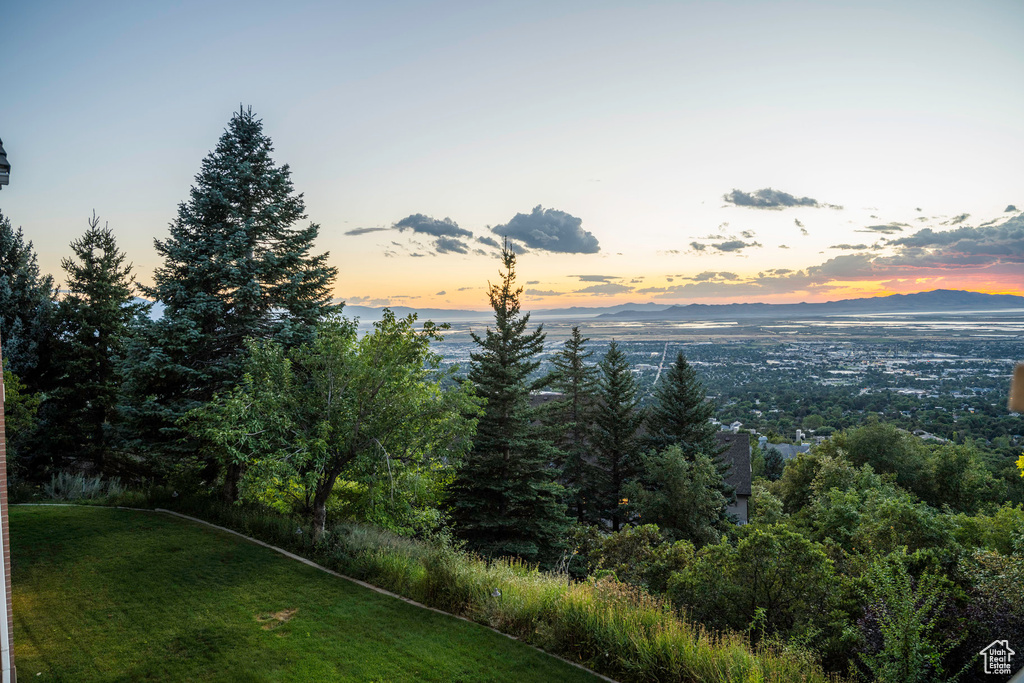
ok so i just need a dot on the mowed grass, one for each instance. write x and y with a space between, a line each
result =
114 595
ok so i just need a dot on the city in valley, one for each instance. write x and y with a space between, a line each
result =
943 377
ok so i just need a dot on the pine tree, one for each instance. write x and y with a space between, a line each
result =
576 381
617 420
506 500
680 415
94 324
236 266
27 304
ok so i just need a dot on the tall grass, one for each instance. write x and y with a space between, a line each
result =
608 626
68 486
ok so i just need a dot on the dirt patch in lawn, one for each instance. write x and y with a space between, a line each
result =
275 619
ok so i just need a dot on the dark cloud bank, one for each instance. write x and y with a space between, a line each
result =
549 230
983 249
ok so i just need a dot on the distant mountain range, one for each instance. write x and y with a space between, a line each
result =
369 314
940 301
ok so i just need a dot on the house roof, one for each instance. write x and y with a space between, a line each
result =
737 454
789 450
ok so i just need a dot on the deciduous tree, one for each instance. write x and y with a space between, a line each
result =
338 405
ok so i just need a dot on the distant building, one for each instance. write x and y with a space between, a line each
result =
786 450
737 454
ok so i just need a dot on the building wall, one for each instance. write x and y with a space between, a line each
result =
739 508
3 520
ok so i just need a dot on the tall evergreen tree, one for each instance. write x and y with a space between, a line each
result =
236 265
27 304
576 381
506 499
617 420
680 415
94 324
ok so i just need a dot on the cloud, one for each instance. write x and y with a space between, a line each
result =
450 245
550 230
735 245
417 255
962 247
441 293
605 289
1009 207
888 229
768 198
489 241
747 234
596 278
957 220
713 275
363 231
417 222
798 223
543 292
783 246
849 247
697 246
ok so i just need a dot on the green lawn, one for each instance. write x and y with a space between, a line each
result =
113 595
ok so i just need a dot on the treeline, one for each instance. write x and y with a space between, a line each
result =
873 554
251 384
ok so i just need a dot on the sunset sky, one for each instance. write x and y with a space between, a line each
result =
649 151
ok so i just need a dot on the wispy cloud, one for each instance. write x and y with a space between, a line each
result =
427 225
887 229
767 198
450 245
596 278
734 245
605 289
363 231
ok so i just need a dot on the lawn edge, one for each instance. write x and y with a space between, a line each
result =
310 563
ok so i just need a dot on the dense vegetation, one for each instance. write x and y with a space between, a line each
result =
876 555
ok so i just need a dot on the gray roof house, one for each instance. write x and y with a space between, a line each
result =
737 454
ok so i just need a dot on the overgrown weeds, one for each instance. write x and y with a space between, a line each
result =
74 487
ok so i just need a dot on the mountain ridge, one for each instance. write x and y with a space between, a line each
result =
933 301
936 300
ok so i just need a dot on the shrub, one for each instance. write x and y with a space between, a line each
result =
68 486
902 624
